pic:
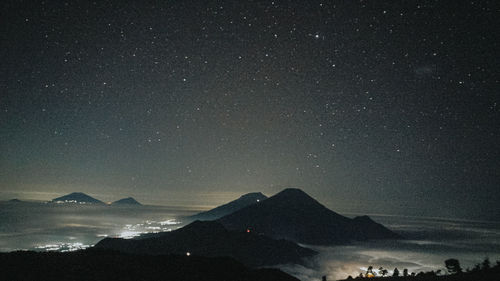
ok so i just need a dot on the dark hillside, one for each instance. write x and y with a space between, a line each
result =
110 265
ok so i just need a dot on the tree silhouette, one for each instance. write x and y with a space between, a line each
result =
405 272
396 272
476 268
486 264
370 272
481 271
453 266
382 271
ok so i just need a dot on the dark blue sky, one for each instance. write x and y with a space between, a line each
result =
368 106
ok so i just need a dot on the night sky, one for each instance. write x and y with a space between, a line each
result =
369 106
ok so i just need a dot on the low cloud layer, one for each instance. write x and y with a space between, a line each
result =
429 243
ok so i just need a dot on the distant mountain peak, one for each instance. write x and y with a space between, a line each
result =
253 195
293 193
292 190
293 198
127 201
76 194
228 208
77 197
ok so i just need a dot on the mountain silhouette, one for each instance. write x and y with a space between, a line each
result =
293 215
127 201
77 197
233 206
95 264
211 239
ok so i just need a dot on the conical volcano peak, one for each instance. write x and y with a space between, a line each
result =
294 196
77 197
126 201
291 191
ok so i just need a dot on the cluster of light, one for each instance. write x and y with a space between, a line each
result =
169 222
150 226
129 231
70 201
153 228
129 234
63 247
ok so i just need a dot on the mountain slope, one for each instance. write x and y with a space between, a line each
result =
211 239
127 201
295 216
218 212
77 197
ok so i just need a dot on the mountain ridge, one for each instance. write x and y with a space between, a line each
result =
294 215
230 207
212 239
95 264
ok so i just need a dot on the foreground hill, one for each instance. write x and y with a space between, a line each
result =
109 265
77 197
233 206
295 216
127 201
211 239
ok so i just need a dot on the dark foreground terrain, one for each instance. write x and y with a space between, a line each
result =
109 265
211 239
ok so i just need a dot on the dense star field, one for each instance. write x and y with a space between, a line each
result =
369 105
